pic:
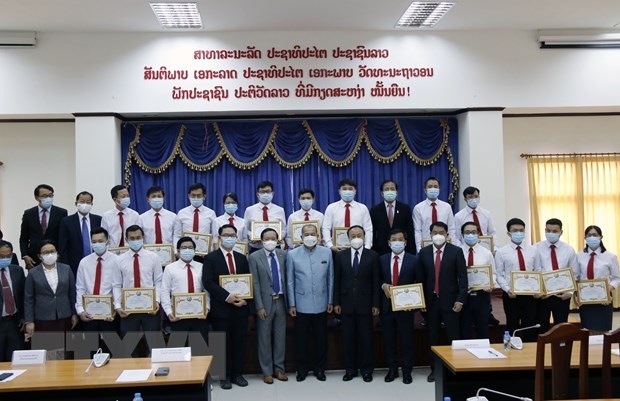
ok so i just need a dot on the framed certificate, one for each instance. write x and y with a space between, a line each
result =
99 307
340 237
593 291
164 251
525 282
203 241
480 277
558 281
406 297
258 226
118 251
138 300
429 241
296 227
241 247
189 306
487 242
240 284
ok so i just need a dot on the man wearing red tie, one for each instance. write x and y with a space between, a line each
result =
264 210
157 222
115 221
431 210
229 313
11 303
306 213
196 217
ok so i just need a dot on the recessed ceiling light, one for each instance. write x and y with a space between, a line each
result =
178 15
423 14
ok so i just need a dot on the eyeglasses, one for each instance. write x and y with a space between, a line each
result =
263 192
186 247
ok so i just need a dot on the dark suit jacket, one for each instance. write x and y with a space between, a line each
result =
452 276
356 293
407 275
403 218
213 267
31 234
70 246
41 303
18 281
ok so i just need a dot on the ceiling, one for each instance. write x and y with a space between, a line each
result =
314 15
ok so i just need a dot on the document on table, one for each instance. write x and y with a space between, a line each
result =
613 352
134 375
486 353
13 376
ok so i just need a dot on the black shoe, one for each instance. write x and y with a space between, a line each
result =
225 384
239 381
367 377
320 375
391 375
492 320
349 375
431 377
301 376
407 379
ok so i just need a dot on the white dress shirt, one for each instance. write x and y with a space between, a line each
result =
400 265
86 273
423 217
334 217
605 266
225 219
48 212
482 256
174 281
298 216
564 253
507 260
484 217
150 274
51 274
111 223
166 221
255 213
185 221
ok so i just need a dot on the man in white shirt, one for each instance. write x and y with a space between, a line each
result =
473 212
115 221
264 210
306 213
346 213
231 205
554 255
196 217
432 210
157 222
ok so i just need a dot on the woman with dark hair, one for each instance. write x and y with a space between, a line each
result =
596 262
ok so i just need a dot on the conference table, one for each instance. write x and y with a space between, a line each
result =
67 380
459 374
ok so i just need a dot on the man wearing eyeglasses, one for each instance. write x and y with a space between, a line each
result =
264 210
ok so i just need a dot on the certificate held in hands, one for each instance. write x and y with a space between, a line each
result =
407 297
525 282
479 277
239 284
189 305
559 281
99 307
138 300
593 291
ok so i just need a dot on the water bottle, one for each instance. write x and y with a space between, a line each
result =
137 397
447 399
506 340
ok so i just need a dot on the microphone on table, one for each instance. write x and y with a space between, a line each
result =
477 397
516 342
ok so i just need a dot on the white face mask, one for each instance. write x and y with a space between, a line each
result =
270 245
84 208
50 258
439 239
357 243
310 241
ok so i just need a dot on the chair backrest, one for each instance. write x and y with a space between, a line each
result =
608 340
561 338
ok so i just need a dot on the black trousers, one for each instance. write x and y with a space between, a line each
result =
435 314
398 325
357 336
552 305
10 337
138 322
199 325
476 313
311 325
521 312
236 328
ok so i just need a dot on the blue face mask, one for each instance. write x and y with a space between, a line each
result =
389 196
265 199
517 237
347 195
306 204
397 246
552 237
593 242
156 203
432 193
4 262
230 208
470 239
99 247
46 203
135 245
196 202
124 202
473 203
229 242
187 254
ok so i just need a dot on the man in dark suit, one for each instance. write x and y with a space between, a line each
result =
14 260
397 268
356 297
11 303
74 235
443 273
388 215
39 223
229 313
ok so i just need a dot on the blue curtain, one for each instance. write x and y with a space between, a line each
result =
233 156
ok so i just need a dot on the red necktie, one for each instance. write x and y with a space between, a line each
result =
470 257
591 266
157 229
434 215
9 302
231 264
395 271
307 218
231 221
521 260
190 279
390 214
476 221
437 269
265 216
122 224
196 215
97 287
347 215
44 221
554 258
136 271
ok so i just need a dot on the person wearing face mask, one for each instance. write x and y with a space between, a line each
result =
157 222
14 260
74 235
310 290
555 254
356 279
268 269
231 205
389 215
397 268
431 210
11 303
346 213
196 217
229 313
39 223
474 212
264 210
520 309
476 309
96 273
596 262
115 221
442 271
138 268
49 294
306 213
